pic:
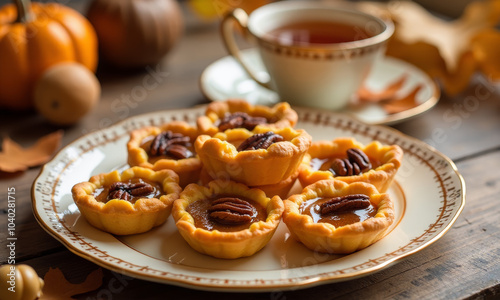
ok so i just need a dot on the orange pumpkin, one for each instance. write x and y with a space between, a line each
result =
39 36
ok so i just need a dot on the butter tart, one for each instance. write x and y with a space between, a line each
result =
132 202
166 147
238 113
226 219
347 160
281 189
332 216
262 156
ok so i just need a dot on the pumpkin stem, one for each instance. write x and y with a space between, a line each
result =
23 10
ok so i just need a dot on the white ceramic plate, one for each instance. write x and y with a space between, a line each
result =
225 79
429 194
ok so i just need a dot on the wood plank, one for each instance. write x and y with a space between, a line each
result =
22 183
464 263
463 125
32 241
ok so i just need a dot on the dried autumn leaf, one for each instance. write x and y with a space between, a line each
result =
401 104
388 98
14 158
389 92
443 49
486 47
58 288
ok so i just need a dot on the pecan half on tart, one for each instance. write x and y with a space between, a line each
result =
263 156
226 219
347 160
238 113
128 203
169 146
332 216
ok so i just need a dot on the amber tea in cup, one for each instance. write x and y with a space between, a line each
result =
316 32
315 54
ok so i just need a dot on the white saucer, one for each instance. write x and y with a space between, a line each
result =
225 79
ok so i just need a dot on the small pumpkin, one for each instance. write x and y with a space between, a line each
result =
135 33
23 280
35 36
65 93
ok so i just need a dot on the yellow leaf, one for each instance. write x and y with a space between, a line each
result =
450 51
486 48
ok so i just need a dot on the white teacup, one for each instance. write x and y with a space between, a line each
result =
322 71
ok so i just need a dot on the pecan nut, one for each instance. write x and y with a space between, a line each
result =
231 211
127 191
239 120
260 141
357 156
344 203
356 163
171 144
344 167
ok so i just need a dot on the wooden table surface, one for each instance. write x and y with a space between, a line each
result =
463 264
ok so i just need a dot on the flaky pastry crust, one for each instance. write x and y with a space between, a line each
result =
227 245
281 114
121 217
281 189
277 163
188 169
324 237
381 176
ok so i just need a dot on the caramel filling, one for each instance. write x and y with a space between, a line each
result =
325 164
130 190
312 208
203 210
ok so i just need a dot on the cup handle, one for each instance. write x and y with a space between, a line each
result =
241 17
